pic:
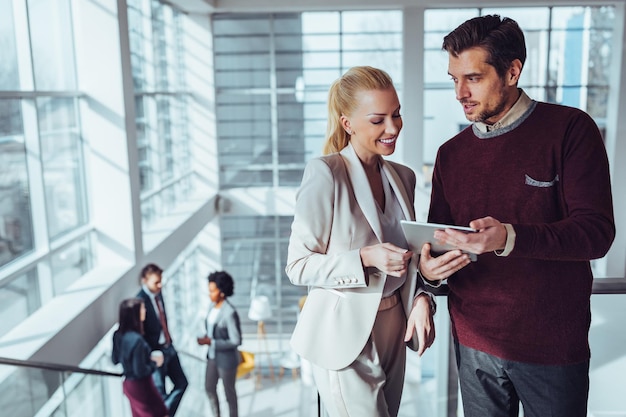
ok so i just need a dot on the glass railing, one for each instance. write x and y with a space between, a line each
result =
39 389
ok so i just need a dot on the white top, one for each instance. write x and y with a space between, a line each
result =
392 231
211 319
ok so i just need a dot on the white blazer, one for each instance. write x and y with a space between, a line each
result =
335 216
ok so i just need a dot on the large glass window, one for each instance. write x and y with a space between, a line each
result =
51 37
9 74
272 74
42 177
61 151
19 298
16 236
161 103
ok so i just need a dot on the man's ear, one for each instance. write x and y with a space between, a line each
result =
514 72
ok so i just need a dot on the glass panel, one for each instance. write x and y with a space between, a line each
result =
290 178
19 298
324 22
27 392
9 72
158 54
253 255
535 72
70 263
233 177
367 42
321 42
243 25
61 153
291 43
445 20
139 43
242 78
16 236
251 44
52 44
568 18
528 18
443 118
24 391
436 69
375 21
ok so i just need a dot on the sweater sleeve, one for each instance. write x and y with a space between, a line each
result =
586 228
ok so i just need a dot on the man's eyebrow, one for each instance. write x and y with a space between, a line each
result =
471 74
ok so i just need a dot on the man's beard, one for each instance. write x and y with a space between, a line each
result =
487 113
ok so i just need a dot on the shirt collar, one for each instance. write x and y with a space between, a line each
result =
519 108
150 293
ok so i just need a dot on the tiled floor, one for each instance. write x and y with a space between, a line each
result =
287 396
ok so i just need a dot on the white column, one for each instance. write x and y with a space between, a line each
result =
616 143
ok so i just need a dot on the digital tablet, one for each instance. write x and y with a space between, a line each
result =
418 233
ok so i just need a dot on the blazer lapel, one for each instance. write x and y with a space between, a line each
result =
362 190
399 190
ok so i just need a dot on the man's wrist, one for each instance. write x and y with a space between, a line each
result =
433 284
510 241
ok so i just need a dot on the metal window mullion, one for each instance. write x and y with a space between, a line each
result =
36 186
273 105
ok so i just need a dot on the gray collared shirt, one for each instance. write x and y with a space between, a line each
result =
520 107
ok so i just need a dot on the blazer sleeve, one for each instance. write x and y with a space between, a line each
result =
310 260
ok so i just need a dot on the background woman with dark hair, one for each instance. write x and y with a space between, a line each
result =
132 351
223 336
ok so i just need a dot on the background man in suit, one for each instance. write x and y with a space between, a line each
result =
158 337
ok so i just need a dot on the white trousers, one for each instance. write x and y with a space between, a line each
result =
371 386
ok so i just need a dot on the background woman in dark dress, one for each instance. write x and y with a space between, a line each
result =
132 351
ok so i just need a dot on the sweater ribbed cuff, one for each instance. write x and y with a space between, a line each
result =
510 241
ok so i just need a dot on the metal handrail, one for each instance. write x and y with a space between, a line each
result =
55 367
600 286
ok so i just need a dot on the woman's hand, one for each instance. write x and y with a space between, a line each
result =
441 267
387 257
421 322
204 340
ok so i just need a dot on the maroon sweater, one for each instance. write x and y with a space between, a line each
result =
548 176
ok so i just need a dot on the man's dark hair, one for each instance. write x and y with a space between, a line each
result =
223 281
150 269
501 38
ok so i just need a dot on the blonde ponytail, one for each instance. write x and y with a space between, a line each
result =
343 100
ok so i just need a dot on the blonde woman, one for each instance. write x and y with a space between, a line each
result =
365 300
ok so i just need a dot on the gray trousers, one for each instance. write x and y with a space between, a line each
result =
371 386
494 387
228 377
